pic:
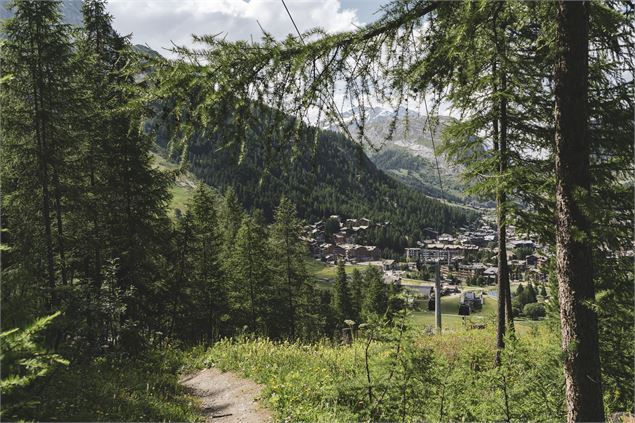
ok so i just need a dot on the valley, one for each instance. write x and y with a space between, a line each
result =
211 212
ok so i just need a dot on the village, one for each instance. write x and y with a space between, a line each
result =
467 262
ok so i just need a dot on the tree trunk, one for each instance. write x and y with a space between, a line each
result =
503 268
499 128
289 284
573 235
60 231
43 151
500 312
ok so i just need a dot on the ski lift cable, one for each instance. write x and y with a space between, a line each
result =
434 148
429 124
331 103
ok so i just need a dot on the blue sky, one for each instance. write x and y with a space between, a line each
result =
157 23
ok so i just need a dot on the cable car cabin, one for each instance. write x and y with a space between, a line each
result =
464 310
431 304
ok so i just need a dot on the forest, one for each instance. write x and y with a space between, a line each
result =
333 178
107 300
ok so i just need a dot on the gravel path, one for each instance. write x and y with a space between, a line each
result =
226 398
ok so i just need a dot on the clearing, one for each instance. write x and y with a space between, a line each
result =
225 397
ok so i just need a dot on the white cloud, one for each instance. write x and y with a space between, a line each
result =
158 23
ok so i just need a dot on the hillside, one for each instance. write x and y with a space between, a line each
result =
420 173
409 156
338 179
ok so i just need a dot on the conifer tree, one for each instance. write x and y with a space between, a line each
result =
357 294
176 299
36 100
342 297
124 211
210 288
249 269
96 46
573 230
375 295
231 216
289 253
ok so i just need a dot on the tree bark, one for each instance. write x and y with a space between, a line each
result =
502 258
60 231
499 132
43 152
503 267
500 311
573 234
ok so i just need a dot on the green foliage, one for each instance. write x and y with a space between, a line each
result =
614 305
331 226
525 295
249 268
332 179
24 360
523 252
375 294
534 311
419 173
231 216
412 377
112 388
198 285
41 151
342 299
291 276
80 191
357 289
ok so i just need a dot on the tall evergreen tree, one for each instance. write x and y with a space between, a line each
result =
231 216
289 253
492 82
210 287
342 297
573 230
249 269
36 101
357 294
375 295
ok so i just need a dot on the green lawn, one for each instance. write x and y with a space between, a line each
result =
328 271
418 282
180 196
182 188
450 318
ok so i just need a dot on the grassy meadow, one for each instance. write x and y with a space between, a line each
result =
387 375
183 187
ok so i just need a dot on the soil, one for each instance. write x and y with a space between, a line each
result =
226 398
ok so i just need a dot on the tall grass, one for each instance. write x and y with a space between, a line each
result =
111 388
410 377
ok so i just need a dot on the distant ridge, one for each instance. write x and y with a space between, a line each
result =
71 11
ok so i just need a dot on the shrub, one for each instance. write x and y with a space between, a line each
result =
23 361
115 387
534 311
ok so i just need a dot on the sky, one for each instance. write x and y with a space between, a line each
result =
158 23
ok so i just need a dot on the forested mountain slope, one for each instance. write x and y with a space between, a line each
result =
409 155
420 173
338 179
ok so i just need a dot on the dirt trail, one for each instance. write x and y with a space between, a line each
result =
226 398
